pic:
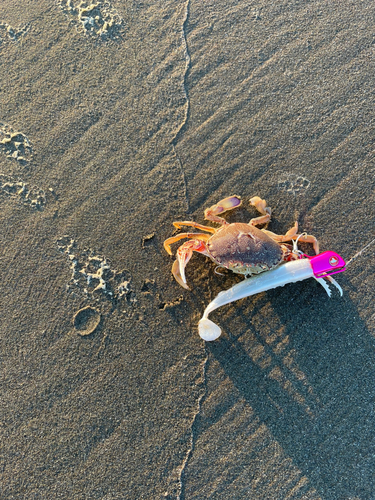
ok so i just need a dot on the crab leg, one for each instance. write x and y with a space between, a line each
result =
180 224
184 253
260 205
290 272
326 287
293 235
168 242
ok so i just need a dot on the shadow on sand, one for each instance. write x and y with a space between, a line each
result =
316 390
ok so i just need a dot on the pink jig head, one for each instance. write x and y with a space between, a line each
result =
327 263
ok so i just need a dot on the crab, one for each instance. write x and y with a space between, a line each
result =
242 248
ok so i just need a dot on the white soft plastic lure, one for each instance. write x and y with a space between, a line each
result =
319 267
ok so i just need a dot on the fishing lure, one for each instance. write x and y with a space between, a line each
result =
321 267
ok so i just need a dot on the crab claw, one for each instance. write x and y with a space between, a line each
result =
178 275
221 207
184 254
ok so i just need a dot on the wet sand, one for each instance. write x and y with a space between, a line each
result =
118 120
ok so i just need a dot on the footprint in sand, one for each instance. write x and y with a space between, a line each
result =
293 183
92 275
16 147
10 34
32 196
14 144
97 19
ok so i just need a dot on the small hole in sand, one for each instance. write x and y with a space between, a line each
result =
86 320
